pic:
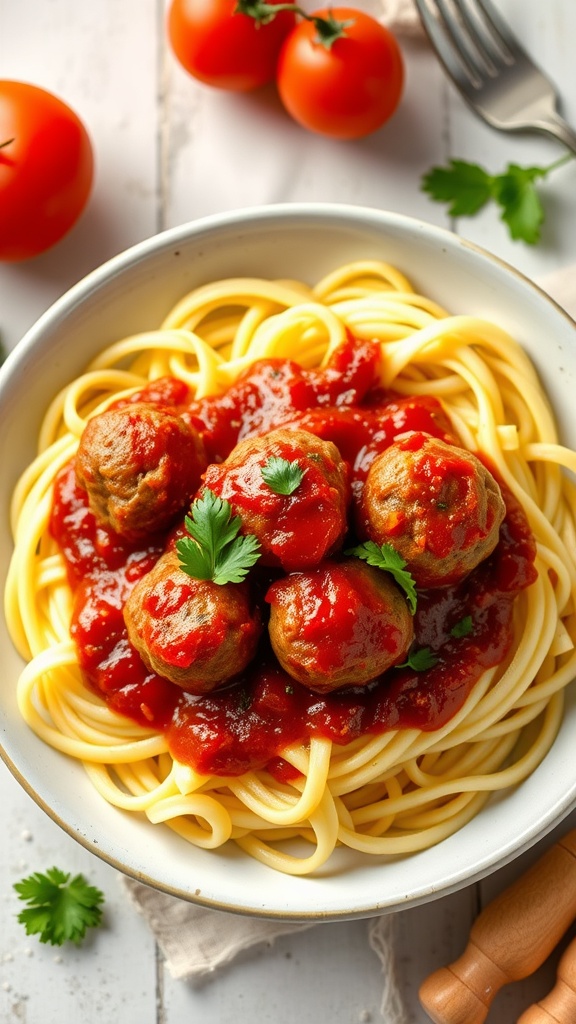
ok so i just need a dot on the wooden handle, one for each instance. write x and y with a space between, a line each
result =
509 940
559 1006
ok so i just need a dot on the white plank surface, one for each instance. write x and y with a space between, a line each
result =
169 150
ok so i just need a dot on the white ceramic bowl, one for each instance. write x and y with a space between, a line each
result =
133 292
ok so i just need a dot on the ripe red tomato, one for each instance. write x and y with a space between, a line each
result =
46 169
221 48
349 89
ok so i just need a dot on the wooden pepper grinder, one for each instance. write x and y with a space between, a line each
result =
509 940
559 1006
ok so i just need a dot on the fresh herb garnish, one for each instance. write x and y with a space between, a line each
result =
467 187
244 700
214 551
420 660
60 908
387 558
462 628
282 476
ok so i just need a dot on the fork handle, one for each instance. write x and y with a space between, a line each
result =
552 124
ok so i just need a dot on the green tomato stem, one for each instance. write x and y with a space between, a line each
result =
328 29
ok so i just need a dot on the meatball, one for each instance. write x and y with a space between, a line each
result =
295 530
436 504
140 465
342 624
193 632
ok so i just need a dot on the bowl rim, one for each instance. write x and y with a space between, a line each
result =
166 238
153 246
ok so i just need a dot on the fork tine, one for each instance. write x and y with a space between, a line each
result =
494 74
450 39
471 38
470 35
499 30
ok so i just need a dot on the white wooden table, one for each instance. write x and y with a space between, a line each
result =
169 150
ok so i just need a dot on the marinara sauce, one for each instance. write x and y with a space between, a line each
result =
466 628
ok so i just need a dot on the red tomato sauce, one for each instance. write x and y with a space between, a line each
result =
247 724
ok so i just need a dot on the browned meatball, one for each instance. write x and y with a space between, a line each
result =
140 466
296 530
436 504
342 624
193 632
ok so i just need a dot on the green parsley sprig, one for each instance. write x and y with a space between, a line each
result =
468 187
387 558
419 660
213 550
60 908
282 476
464 627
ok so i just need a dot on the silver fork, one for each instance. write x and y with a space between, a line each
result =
491 70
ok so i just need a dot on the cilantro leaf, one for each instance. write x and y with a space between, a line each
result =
60 908
462 628
282 476
387 558
420 660
233 563
467 188
521 207
213 550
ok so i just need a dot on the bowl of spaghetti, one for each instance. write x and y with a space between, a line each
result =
289 562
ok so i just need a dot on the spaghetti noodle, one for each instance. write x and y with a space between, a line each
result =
382 793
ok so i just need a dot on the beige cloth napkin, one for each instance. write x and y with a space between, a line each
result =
400 16
197 942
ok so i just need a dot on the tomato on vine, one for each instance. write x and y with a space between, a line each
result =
338 71
221 46
46 169
345 80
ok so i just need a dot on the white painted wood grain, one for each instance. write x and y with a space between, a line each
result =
101 58
258 155
169 150
112 976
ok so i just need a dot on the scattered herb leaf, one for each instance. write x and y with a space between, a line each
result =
462 628
420 660
244 700
282 476
467 187
214 551
387 558
60 908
